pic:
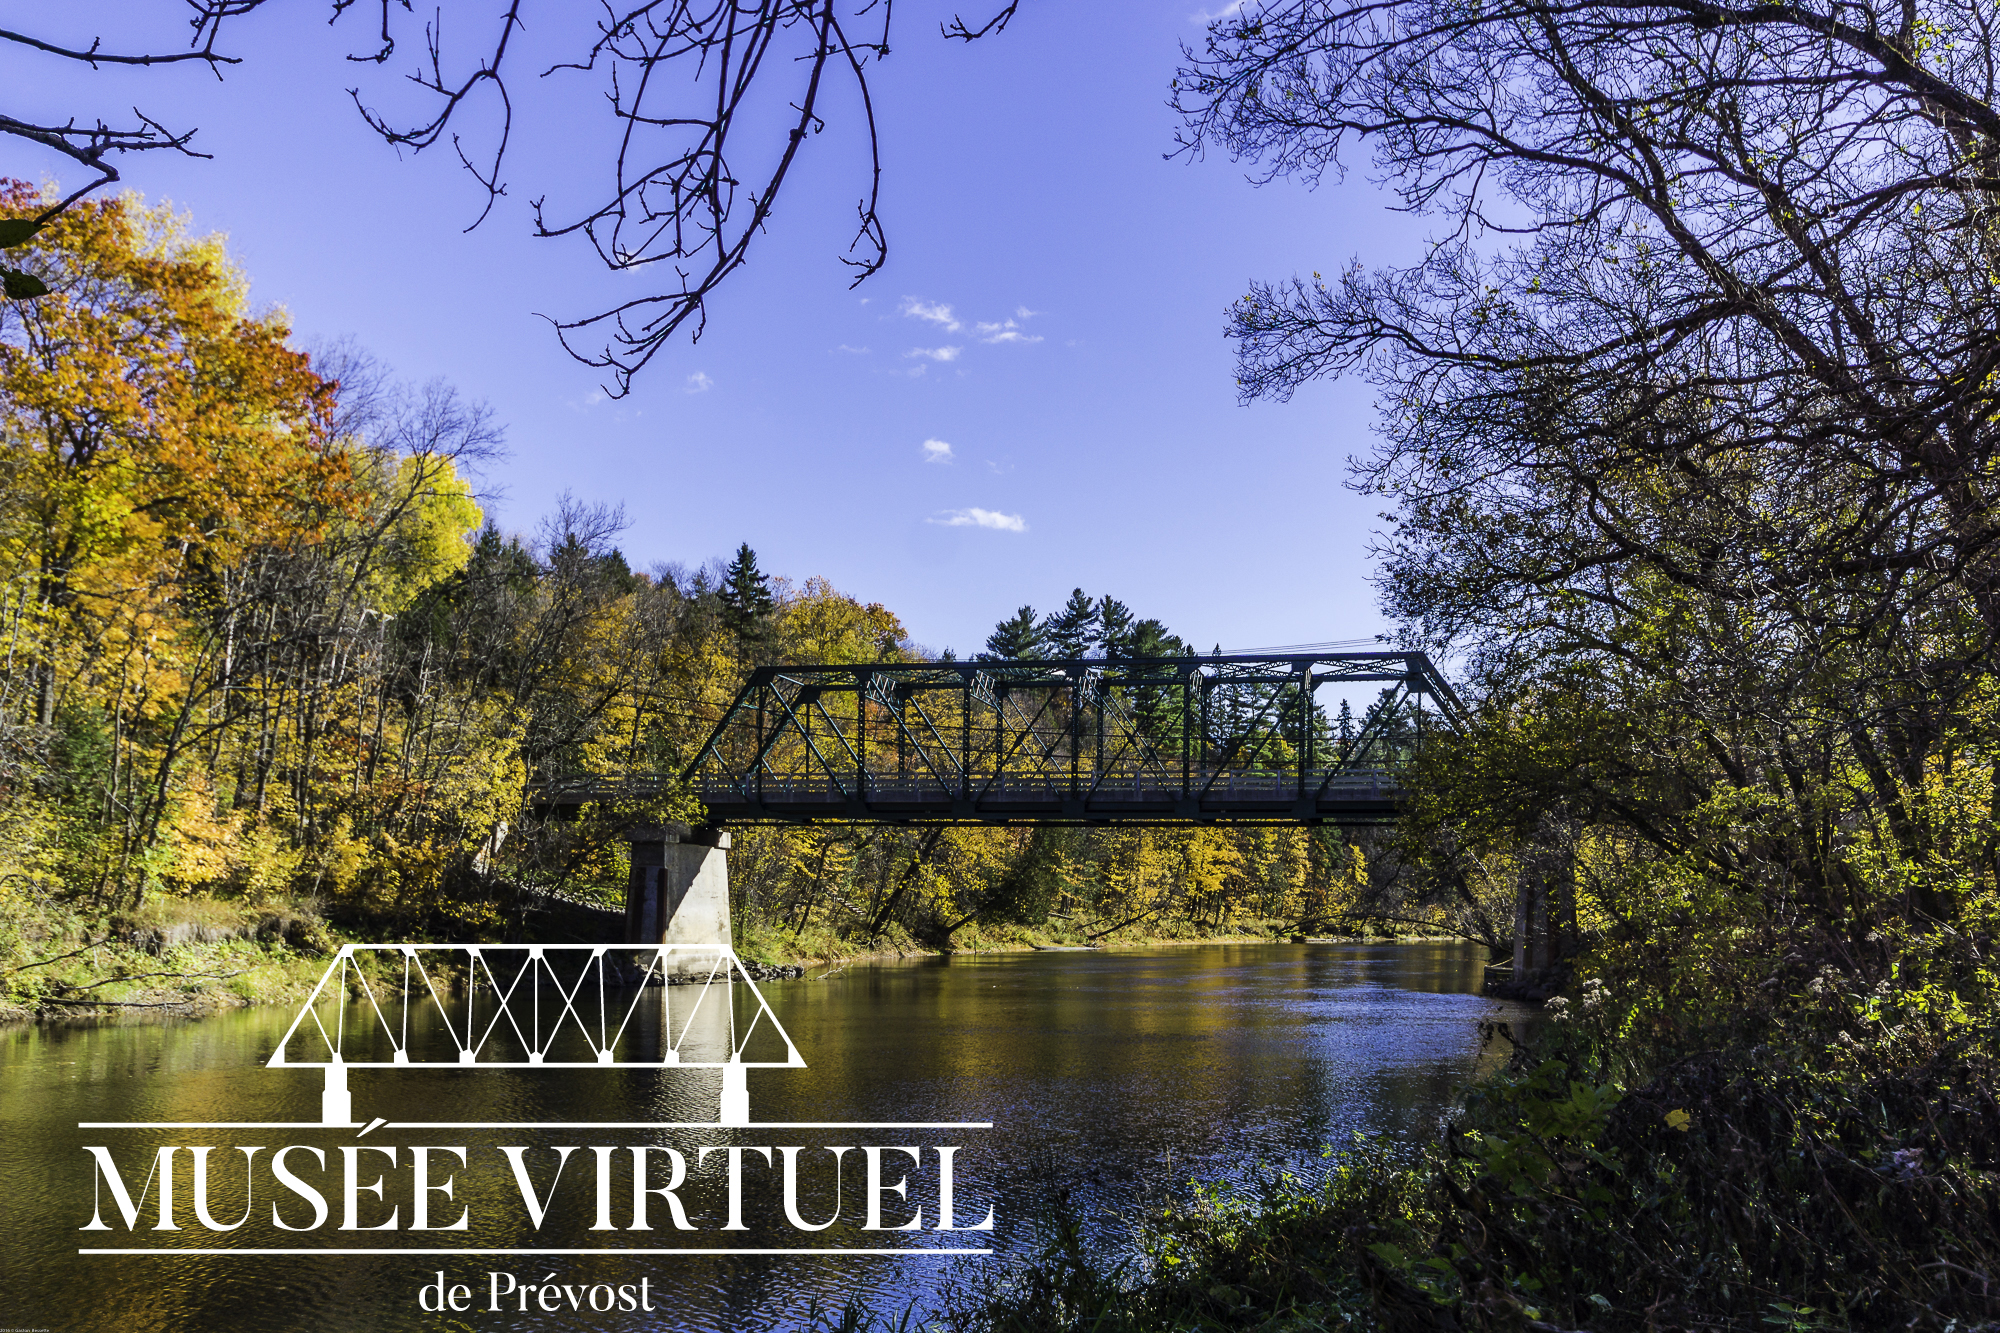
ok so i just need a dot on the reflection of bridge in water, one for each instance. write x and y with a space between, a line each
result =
1176 740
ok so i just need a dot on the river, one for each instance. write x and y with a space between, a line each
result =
1110 1078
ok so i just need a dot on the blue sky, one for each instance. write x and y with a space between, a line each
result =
1095 440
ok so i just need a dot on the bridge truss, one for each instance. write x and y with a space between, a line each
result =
1237 739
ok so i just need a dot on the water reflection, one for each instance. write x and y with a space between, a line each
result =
1112 1077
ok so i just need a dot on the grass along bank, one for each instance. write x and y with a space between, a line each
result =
172 958
763 940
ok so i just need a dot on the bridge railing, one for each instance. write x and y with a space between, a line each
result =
1226 781
1226 787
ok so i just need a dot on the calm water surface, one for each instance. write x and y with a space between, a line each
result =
1110 1077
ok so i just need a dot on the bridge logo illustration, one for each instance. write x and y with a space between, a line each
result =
543 1006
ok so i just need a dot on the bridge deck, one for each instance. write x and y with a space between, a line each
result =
1239 798
1241 802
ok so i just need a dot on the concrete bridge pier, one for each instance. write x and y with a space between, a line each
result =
678 895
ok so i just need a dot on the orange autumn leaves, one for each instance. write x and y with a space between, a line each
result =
151 428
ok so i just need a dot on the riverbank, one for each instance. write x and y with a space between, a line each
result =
1820 1156
181 958
775 944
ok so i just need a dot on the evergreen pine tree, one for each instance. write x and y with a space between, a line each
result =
748 608
1114 626
746 593
613 568
1017 637
1157 711
1149 638
1072 631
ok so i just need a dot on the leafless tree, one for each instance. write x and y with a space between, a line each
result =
1685 236
1688 405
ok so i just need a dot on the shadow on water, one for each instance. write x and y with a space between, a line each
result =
1111 1079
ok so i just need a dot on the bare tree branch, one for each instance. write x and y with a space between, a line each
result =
998 23
687 82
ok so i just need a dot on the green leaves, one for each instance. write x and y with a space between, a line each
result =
20 285
1391 1255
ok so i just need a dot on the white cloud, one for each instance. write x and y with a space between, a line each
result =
937 451
698 383
935 353
980 518
1205 17
939 315
1022 312
1007 332
852 351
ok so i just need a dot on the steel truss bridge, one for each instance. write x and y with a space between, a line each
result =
1173 740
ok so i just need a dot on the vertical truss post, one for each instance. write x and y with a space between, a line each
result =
1075 675
1187 732
965 739
901 713
757 755
861 736
1305 750
1098 699
1207 722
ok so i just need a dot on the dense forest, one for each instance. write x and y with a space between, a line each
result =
262 647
